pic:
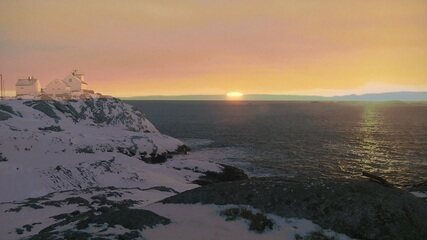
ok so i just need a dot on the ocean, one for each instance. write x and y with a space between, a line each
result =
315 139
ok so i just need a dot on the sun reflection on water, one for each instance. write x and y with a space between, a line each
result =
370 146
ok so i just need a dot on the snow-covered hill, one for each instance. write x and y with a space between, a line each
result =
52 146
49 145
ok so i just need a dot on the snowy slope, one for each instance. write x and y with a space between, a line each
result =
49 146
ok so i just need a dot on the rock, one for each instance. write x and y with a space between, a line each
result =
155 158
7 108
421 187
52 128
101 111
68 110
95 217
131 219
182 149
227 174
44 107
377 179
69 234
128 151
4 116
85 149
162 189
257 222
359 208
2 159
135 219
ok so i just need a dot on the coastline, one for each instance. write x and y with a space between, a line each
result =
84 168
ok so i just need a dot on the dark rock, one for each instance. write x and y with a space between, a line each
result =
44 107
136 219
52 203
227 174
26 204
420 187
155 158
128 151
77 200
132 235
133 219
66 235
257 222
34 206
4 116
2 159
52 128
106 148
9 109
97 109
67 109
376 178
105 165
102 200
101 211
101 111
28 227
85 149
314 236
162 189
182 149
359 208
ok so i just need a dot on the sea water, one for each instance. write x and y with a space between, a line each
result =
317 139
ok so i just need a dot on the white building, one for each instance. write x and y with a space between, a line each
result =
71 85
28 87
57 88
76 81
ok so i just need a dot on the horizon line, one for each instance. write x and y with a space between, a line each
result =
274 94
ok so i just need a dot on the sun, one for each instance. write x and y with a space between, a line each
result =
234 95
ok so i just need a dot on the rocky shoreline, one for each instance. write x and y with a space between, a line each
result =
361 209
358 208
98 169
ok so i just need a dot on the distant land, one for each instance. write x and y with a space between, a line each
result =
388 96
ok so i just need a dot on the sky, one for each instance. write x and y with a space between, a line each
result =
156 47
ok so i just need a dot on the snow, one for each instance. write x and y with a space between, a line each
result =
420 194
9 221
41 162
204 222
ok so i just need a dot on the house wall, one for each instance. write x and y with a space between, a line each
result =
33 90
57 87
74 83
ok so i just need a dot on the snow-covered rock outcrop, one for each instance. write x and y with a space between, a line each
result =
49 145
63 156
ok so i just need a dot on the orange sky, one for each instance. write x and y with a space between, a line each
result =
139 47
